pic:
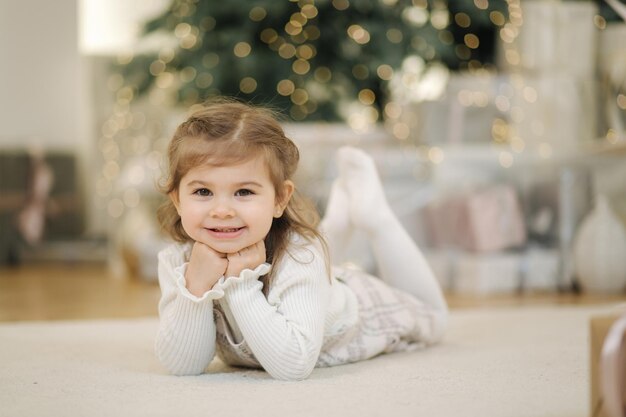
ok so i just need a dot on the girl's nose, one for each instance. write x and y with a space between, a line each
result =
222 210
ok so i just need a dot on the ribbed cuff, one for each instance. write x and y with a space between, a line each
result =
217 292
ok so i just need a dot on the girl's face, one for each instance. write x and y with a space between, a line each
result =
229 208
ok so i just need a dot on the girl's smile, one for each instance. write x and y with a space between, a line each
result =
228 208
226 233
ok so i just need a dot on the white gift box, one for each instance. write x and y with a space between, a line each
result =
540 269
554 109
533 270
556 36
463 115
482 274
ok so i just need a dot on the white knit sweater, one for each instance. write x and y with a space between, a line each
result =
306 319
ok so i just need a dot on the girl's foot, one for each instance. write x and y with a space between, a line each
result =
366 198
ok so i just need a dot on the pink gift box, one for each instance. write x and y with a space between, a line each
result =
482 221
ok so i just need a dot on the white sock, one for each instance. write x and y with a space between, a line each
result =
336 225
367 202
400 262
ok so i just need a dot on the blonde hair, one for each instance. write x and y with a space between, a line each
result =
226 132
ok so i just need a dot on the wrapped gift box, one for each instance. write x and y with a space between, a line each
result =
463 115
560 112
486 220
551 31
481 274
540 269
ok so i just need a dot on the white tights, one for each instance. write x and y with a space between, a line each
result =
357 202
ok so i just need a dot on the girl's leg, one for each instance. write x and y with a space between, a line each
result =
336 225
400 262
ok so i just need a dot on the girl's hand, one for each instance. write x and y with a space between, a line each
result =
247 258
205 268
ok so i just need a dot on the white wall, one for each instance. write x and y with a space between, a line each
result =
40 74
44 87
52 81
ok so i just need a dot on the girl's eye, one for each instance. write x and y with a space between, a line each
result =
243 193
203 192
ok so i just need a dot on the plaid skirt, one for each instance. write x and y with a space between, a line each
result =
389 320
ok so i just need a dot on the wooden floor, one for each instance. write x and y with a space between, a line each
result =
80 291
89 291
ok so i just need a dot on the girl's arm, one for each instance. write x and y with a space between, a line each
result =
185 342
285 331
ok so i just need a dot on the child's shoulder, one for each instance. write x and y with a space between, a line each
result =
303 263
305 249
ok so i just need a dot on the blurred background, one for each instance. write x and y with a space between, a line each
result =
498 127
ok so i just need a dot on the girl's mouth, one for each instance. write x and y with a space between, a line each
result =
226 229
226 232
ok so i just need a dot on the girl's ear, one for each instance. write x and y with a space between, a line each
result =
287 192
174 198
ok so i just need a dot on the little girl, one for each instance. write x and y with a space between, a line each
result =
249 277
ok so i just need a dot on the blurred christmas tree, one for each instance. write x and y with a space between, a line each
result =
310 58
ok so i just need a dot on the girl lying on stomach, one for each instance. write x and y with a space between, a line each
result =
249 277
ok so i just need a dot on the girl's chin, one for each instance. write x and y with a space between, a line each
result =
224 247
228 250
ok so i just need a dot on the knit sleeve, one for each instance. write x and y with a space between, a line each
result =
285 330
185 342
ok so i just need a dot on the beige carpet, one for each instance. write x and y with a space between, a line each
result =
494 362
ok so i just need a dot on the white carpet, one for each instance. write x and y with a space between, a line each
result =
494 362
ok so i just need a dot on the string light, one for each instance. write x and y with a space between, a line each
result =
471 41
323 74
242 49
394 35
301 66
497 18
188 74
257 14
299 96
269 35
481 4
401 131
287 51
417 16
360 72
462 20
341 4
285 87
367 96
384 72
309 11
247 85
204 80
306 51
359 34
393 110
